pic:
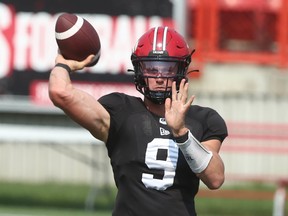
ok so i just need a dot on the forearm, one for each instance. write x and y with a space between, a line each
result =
203 159
60 87
213 176
78 105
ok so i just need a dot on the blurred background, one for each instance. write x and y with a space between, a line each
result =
48 162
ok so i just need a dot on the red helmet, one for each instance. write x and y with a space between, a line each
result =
160 46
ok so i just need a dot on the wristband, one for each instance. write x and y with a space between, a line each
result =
65 66
182 139
196 155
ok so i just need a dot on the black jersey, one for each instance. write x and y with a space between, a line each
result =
150 172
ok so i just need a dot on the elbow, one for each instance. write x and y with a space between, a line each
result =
58 96
216 182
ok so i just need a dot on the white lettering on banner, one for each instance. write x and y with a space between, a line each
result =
22 40
34 41
118 36
104 26
120 55
5 54
42 47
32 44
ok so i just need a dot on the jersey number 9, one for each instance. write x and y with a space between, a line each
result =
166 163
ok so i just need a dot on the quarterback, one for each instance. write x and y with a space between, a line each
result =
160 147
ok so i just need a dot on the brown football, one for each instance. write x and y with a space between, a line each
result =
77 38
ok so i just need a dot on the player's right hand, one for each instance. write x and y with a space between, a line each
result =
74 65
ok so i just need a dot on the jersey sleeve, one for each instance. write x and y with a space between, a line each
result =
114 103
216 127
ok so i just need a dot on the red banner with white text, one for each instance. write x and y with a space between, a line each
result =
28 46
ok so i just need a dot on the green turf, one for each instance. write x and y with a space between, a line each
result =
210 206
35 211
52 199
54 195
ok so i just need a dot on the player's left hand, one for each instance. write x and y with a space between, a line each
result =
177 107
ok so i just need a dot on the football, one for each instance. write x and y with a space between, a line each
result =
77 38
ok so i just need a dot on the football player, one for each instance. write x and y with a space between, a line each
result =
160 147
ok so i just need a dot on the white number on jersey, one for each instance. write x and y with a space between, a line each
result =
168 165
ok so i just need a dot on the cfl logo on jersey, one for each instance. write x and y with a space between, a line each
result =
162 121
164 132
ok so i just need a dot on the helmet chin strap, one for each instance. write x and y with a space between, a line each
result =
158 97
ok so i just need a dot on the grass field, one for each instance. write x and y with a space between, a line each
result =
51 199
205 206
36 211
219 207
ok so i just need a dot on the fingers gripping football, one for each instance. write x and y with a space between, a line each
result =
74 65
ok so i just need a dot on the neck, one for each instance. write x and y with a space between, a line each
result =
158 109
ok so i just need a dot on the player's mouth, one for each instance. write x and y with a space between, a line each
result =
159 89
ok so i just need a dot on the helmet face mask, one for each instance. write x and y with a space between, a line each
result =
158 68
161 53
